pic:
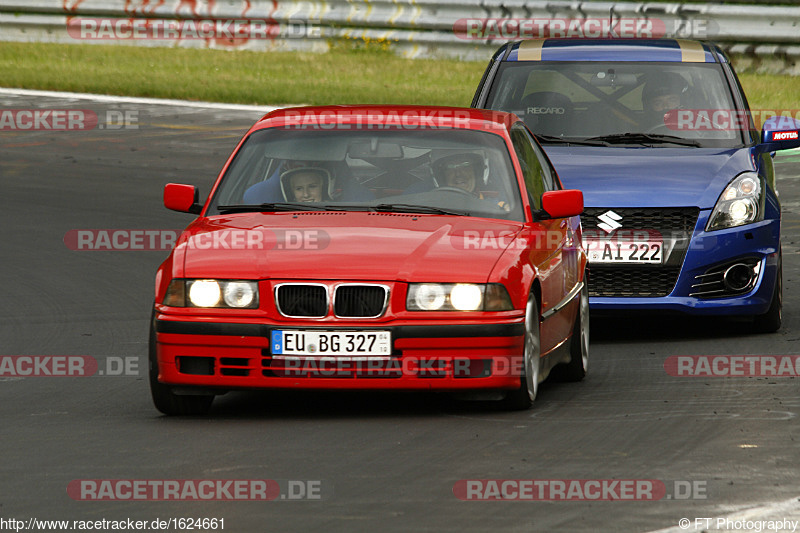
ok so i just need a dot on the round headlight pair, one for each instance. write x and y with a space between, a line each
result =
209 293
462 297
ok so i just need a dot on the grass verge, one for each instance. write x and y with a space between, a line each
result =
342 76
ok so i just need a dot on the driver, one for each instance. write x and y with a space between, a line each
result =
462 171
459 171
660 96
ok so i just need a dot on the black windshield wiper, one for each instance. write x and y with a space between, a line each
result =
546 139
644 138
348 207
275 206
413 208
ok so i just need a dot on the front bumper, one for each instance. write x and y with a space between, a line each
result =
236 355
760 241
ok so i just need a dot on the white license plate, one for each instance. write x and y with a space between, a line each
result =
320 343
621 251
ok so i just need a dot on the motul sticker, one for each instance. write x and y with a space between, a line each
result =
785 135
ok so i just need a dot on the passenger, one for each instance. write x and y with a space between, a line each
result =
306 184
271 190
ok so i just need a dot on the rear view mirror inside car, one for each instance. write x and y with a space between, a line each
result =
374 149
613 79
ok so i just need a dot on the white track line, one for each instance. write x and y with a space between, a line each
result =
137 100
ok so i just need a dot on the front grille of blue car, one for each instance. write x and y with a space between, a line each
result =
662 219
674 225
632 281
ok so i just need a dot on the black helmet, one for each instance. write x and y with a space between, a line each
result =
456 160
667 83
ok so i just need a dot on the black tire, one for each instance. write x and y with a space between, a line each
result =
523 397
578 364
770 321
164 399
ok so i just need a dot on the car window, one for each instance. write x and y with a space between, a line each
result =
578 100
465 171
532 169
549 175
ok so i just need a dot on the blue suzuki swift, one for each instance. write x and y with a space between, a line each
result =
681 212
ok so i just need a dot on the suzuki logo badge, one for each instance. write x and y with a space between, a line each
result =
609 221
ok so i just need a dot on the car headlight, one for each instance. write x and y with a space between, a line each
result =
457 297
742 202
212 293
204 293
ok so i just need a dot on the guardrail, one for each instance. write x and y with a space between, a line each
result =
763 37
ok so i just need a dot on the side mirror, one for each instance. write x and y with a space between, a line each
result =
779 133
562 204
183 198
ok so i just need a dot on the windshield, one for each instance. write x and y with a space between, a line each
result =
615 103
424 170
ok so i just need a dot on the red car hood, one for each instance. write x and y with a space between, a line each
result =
337 245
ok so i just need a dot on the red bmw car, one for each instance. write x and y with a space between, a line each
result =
374 247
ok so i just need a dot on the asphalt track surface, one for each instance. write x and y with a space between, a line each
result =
384 462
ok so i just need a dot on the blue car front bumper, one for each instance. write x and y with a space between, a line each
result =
758 243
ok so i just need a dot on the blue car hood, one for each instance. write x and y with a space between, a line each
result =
648 177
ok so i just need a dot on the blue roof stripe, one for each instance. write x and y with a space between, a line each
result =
611 50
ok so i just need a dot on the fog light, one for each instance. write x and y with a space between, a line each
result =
739 277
